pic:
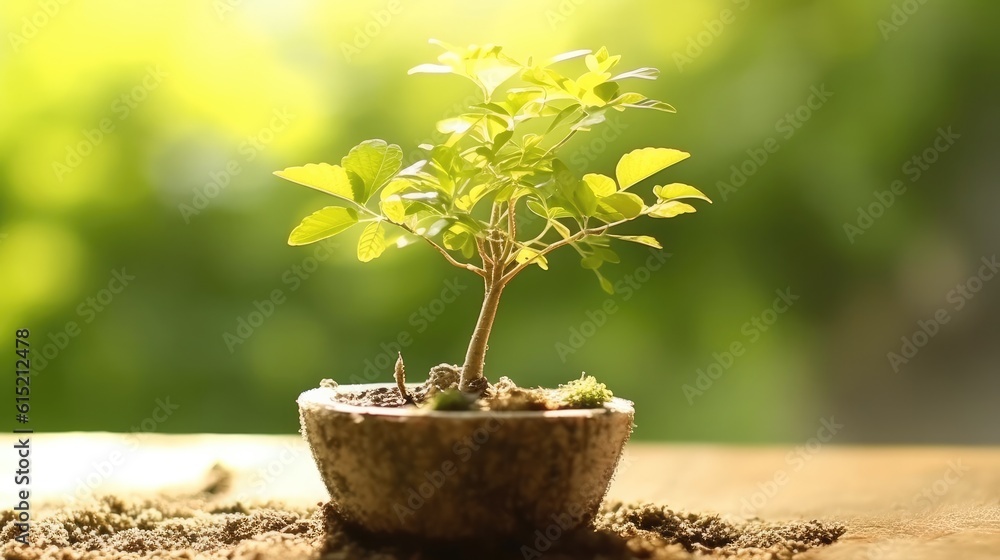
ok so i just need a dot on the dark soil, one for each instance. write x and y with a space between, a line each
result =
117 529
442 385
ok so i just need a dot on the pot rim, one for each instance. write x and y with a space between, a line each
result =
321 396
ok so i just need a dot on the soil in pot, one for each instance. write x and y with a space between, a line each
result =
206 527
440 391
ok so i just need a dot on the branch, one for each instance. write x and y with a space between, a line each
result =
566 241
482 253
406 228
466 266
538 238
509 243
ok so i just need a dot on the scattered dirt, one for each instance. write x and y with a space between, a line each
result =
442 383
118 529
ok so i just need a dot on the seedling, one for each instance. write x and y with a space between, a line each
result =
497 162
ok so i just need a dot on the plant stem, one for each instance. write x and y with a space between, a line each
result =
472 372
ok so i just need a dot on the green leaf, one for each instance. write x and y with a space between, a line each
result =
500 140
643 73
601 185
392 208
590 119
652 104
639 164
596 240
537 208
518 98
641 239
559 227
574 190
569 55
530 255
628 98
395 187
679 190
458 124
606 92
601 61
331 179
322 224
621 206
429 69
607 255
531 140
375 162
459 237
568 111
670 209
589 80
492 72
605 283
591 262
371 244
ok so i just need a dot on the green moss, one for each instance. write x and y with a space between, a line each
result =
450 399
585 392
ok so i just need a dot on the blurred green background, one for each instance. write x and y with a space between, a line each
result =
201 100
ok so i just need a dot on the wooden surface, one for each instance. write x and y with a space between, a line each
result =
898 503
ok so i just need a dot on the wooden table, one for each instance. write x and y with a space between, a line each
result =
901 503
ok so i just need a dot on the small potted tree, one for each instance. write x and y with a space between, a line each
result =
456 456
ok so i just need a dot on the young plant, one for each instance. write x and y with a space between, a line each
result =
496 162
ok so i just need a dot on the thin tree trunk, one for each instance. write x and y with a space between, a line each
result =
472 371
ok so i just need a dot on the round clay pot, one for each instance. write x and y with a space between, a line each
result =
457 475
